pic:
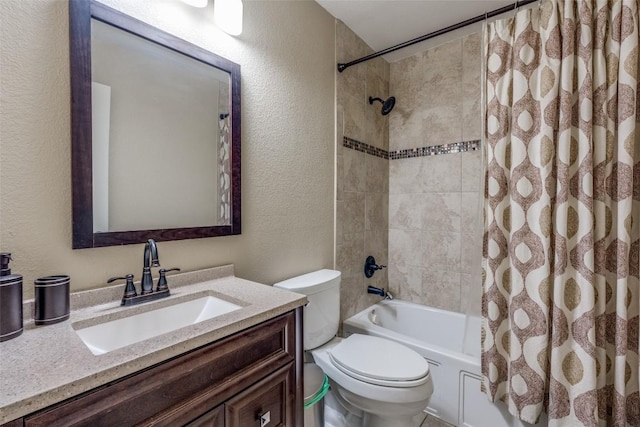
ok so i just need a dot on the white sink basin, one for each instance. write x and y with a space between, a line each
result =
109 336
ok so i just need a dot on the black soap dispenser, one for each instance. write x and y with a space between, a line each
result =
10 300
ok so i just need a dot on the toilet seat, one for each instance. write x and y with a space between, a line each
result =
379 361
366 389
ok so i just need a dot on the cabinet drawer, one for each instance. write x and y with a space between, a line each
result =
177 391
213 418
271 398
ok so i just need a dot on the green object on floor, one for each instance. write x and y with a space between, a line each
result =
320 394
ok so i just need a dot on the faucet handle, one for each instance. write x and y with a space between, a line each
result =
129 289
162 281
370 267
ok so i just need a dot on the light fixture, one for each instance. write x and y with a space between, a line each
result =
196 3
227 15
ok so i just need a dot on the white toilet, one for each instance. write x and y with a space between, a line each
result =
387 381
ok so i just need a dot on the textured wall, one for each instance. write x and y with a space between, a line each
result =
362 179
434 227
287 55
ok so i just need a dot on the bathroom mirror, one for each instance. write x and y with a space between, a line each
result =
155 133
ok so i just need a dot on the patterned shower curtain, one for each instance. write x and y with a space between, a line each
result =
562 204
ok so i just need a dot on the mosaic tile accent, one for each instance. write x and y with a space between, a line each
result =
434 150
365 148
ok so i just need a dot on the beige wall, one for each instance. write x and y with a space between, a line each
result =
362 179
434 212
287 57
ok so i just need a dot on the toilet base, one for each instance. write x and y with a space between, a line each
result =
381 414
340 413
337 415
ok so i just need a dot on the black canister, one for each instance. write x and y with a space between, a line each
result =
10 300
52 300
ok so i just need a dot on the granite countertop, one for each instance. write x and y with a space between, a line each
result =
48 364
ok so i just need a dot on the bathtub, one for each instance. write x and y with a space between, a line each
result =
438 336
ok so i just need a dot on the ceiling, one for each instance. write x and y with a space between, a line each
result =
385 23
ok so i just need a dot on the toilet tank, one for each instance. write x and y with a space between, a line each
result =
322 314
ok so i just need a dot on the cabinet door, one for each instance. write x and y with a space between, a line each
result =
213 418
268 403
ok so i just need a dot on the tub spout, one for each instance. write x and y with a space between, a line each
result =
379 291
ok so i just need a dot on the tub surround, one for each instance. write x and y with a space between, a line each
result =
362 180
434 200
49 364
408 184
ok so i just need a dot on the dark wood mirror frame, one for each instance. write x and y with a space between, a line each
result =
80 14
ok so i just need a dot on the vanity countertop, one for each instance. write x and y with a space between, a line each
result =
49 364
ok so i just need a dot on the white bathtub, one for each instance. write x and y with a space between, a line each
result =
438 336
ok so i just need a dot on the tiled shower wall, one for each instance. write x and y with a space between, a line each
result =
434 215
362 179
418 215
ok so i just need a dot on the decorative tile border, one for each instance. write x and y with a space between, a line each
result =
434 150
365 148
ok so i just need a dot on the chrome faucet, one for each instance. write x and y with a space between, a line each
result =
150 260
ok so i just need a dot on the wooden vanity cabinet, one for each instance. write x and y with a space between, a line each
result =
266 401
213 418
232 382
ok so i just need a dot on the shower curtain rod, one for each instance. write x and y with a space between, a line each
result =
479 18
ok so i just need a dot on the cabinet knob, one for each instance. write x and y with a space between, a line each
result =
265 418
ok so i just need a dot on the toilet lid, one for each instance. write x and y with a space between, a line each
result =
380 361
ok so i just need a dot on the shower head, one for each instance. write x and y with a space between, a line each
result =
387 105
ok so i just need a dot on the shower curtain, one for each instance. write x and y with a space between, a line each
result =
224 170
224 155
562 202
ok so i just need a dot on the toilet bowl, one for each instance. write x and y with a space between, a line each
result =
387 381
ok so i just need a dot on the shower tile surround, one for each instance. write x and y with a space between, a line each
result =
433 224
434 200
408 195
362 172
